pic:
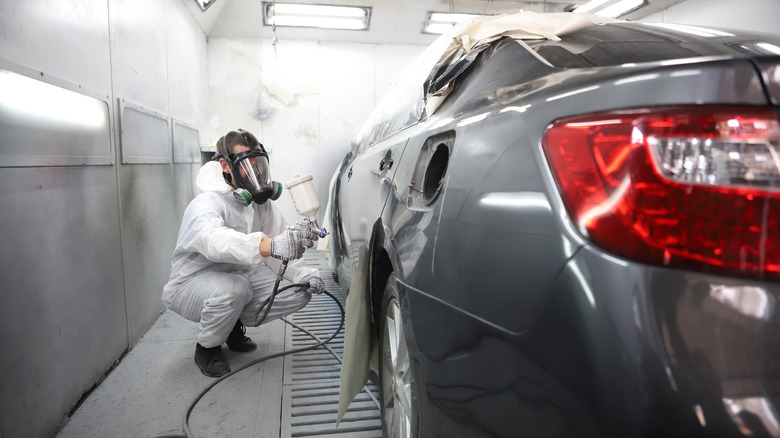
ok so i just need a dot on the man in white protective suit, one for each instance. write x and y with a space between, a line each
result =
231 245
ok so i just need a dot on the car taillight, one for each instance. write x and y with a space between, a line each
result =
696 187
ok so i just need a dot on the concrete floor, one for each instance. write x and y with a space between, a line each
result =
148 392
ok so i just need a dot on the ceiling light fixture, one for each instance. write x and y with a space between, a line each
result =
610 8
204 4
440 22
317 16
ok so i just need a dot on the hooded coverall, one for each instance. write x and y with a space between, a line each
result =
217 273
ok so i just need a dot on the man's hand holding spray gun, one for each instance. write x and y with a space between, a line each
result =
308 230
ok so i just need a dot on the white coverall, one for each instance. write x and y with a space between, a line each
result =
217 272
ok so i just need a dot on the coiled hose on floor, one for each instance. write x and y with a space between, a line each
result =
186 417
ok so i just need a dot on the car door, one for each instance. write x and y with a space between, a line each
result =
365 188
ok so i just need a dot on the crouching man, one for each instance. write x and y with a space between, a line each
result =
230 246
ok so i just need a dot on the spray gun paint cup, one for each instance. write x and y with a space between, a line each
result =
306 203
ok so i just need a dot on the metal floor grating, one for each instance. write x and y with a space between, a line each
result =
310 393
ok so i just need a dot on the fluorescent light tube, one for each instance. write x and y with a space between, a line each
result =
440 22
317 10
322 22
318 16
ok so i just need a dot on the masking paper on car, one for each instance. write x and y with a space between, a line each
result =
358 337
407 102
477 34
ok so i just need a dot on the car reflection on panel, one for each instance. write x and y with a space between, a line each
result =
573 229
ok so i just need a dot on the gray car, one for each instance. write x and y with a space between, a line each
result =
574 236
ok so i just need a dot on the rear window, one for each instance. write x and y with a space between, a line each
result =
616 44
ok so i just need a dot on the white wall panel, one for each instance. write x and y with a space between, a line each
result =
293 80
186 85
347 96
139 52
62 321
347 76
148 205
235 82
63 38
188 96
752 15
145 135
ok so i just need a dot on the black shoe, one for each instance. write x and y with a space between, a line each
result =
236 340
211 361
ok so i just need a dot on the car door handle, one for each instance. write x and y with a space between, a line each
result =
386 163
384 166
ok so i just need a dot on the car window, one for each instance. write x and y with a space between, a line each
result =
617 44
503 72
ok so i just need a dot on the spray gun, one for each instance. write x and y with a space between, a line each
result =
306 204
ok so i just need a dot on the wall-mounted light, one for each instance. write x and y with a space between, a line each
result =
440 22
318 16
610 8
21 95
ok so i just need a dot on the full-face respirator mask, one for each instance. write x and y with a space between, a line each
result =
250 170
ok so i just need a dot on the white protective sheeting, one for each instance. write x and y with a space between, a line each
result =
360 343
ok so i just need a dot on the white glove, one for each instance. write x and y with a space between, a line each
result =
316 285
290 244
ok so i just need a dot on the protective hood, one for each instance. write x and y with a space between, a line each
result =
210 178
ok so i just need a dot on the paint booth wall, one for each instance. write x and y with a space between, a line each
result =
304 101
101 103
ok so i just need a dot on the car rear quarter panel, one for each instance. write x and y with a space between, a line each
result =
659 352
508 333
495 239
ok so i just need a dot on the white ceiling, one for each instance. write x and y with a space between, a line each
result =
392 21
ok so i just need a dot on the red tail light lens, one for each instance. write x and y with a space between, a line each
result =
694 187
